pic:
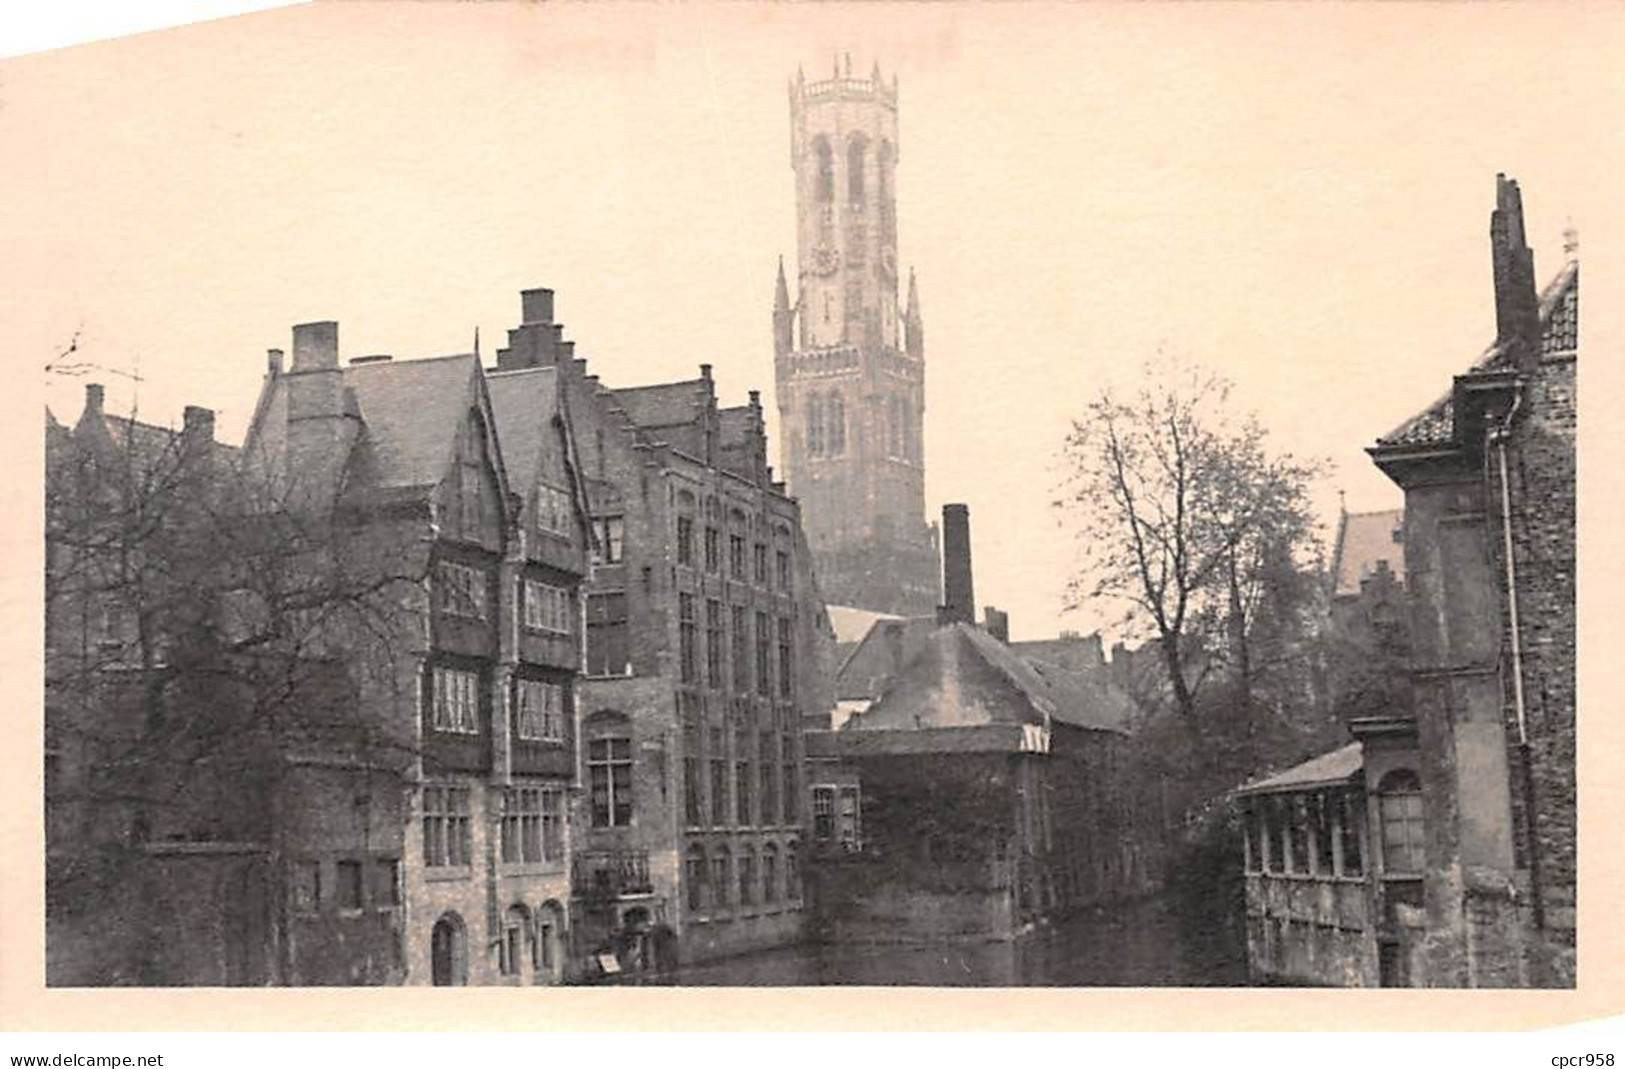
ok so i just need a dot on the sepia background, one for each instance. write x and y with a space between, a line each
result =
1296 196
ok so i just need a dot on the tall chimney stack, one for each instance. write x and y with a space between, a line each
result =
1517 308
958 593
320 431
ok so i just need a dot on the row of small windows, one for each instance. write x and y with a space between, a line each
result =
837 814
462 590
739 566
351 885
688 644
530 827
714 880
456 695
857 149
1320 834
762 791
766 762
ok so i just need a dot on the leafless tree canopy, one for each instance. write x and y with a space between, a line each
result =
1185 520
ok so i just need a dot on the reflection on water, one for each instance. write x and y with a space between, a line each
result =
1140 945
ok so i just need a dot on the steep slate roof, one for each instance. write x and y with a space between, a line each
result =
667 404
964 677
1108 707
866 667
523 403
411 410
735 424
854 625
1343 765
1081 653
1363 539
1559 332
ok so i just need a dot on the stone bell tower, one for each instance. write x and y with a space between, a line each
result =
849 365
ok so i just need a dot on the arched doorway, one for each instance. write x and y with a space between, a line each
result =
549 947
637 955
517 937
448 952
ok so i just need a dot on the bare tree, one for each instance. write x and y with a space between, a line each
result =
1188 523
204 637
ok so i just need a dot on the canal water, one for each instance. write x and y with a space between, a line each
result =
1149 943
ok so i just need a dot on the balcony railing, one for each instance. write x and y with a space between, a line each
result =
611 873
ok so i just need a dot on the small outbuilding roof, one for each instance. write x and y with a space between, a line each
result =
1343 765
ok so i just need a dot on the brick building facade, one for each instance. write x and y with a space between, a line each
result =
849 365
707 648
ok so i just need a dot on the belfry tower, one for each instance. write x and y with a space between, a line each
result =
848 365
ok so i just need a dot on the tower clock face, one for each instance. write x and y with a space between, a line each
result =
825 259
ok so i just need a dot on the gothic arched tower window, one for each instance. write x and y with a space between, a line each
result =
815 425
857 150
837 424
824 189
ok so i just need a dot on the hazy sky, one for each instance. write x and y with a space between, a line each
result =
1298 196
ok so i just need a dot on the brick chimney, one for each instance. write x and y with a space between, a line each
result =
198 423
958 592
319 429
535 306
92 416
537 341
1517 308
996 623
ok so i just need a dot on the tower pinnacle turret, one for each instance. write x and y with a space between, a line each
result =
783 318
913 325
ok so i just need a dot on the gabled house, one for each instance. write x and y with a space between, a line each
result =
466 664
705 655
